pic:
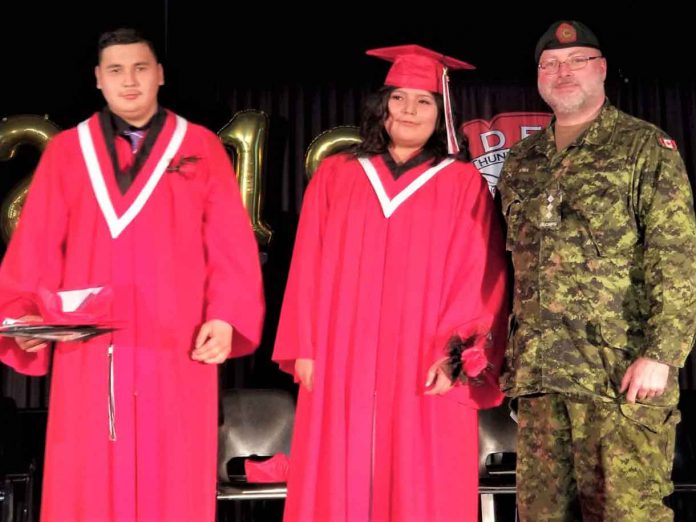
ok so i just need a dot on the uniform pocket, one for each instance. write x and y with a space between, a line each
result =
654 418
611 227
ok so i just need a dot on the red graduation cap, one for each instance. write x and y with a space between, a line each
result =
416 67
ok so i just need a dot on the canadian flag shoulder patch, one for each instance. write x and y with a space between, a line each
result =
667 143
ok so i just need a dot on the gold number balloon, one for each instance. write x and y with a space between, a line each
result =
247 133
24 129
327 143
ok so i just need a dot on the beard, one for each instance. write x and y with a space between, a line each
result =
570 102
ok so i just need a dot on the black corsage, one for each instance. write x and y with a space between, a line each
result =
183 166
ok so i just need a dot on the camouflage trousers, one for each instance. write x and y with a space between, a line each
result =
587 461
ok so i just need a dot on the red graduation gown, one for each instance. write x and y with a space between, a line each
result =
373 300
177 250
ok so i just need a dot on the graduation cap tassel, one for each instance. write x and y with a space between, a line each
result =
112 397
452 145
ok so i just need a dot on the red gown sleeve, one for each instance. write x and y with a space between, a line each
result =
234 288
476 291
295 336
34 256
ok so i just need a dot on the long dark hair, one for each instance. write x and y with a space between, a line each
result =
375 137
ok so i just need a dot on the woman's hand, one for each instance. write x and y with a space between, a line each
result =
438 382
304 371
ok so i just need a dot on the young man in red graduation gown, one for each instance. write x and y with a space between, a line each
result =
398 256
137 200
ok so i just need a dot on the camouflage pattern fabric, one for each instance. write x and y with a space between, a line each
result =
585 461
603 243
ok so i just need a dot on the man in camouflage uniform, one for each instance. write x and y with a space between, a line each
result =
602 234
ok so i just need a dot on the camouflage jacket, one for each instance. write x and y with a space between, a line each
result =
603 241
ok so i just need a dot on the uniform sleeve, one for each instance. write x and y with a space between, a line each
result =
234 288
35 254
502 189
476 300
666 216
295 336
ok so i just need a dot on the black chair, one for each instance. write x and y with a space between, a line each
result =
16 496
17 469
497 457
257 423
684 469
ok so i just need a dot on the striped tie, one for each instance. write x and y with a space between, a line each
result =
135 137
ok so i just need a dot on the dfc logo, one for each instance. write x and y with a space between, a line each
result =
490 141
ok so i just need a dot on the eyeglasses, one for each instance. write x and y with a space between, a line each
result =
574 63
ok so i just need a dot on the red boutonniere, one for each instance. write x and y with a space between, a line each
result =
183 165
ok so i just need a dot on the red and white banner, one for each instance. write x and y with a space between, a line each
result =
490 141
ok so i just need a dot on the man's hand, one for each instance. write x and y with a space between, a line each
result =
213 342
304 370
29 344
644 379
437 382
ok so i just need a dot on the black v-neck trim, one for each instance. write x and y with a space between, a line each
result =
397 170
110 127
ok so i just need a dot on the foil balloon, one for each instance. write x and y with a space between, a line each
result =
15 131
247 134
327 143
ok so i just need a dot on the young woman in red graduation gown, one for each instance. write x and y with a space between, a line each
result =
398 254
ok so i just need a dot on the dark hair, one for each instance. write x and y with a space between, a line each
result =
375 137
122 36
